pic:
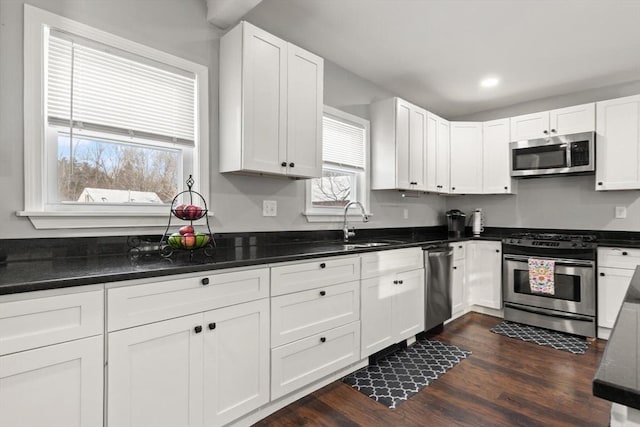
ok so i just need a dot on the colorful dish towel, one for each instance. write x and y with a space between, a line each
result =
541 272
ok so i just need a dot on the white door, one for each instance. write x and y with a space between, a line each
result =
618 144
304 113
529 126
376 316
496 168
264 77
408 304
483 282
155 374
458 289
403 137
466 157
236 361
612 287
443 156
417 148
55 386
574 119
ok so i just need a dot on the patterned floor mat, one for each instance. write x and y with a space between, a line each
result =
540 336
399 376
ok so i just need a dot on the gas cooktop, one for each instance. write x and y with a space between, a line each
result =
553 240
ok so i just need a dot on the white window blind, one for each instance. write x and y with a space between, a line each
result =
343 143
92 87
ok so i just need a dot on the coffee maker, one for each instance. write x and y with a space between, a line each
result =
456 221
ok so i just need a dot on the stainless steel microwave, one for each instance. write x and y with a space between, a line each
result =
565 154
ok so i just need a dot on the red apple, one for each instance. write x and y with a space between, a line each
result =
188 240
179 210
187 229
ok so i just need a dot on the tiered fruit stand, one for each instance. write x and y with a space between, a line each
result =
188 206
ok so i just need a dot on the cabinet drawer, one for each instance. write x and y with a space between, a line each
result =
311 274
40 321
618 257
383 262
298 315
304 361
151 302
459 250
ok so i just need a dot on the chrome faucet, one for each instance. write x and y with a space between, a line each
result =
345 226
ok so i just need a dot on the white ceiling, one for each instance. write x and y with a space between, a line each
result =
435 52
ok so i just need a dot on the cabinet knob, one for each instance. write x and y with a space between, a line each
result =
322 339
625 253
553 130
460 247
400 282
212 326
546 132
395 282
283 164
506 188
197 329
323 265
323 293
497 251
599 183
455 268
453 188
602 274
291 164
205 281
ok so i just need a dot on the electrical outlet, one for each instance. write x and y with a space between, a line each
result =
621 212
405 213
269 208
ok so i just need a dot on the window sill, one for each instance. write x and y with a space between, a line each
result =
97 220
331 217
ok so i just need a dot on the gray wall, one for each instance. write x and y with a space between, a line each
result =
180 28
561 202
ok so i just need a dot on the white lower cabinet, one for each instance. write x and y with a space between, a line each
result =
458 280
54 386
204 369
392 309
483 282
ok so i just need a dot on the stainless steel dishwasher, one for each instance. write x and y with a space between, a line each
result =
437 264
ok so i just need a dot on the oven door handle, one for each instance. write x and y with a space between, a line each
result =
546 313
559 261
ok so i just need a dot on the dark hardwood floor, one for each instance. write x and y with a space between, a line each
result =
505 382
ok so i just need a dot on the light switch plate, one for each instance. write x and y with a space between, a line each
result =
269 208
621 212
405 213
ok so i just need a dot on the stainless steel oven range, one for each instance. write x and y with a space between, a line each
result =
548 281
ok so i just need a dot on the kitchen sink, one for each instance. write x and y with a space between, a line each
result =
350 246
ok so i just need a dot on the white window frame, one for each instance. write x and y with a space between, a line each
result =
336 214
36 24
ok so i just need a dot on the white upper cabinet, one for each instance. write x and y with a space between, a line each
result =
466 158
618 144
398 149
496 173
562 121
437 164
271 100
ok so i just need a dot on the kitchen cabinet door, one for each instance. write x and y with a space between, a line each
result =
466 158
236 361
437 165
408 304
483 268
155 374
618 144
55 386
496 166
417 148
377 314
458 278
612 287
304 113
529 126
574 119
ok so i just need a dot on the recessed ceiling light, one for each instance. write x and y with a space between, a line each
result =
490 82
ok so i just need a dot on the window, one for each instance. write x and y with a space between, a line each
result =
345 139
108 122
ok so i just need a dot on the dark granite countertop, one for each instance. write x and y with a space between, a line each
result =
79 262
618 376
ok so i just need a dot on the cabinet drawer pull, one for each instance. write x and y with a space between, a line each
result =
323 265
395 282
212 326
323 293
602 274
625 253
197 329
599 183
400 282
205 281
283 164
322 339
291 164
